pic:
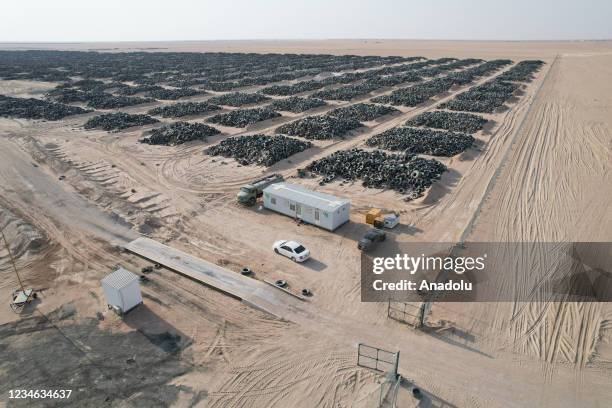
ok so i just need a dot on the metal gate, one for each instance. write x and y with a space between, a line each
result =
412 313
377 359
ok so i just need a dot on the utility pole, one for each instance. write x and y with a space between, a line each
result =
8 248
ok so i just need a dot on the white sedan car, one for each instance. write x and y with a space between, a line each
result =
292 250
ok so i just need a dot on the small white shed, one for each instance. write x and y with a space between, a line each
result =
323 210
122 290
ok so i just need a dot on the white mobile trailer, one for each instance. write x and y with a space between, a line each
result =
122 290
323 210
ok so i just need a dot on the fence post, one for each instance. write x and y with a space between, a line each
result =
397 356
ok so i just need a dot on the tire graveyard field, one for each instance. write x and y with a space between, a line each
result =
258 149
281 77
171 193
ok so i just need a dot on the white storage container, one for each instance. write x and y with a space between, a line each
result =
122 290
323 210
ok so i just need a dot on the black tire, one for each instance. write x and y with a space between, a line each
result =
252 201
276 250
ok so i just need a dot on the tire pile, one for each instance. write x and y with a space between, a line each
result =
178 133
243 117
118 121
522 72
422 141
238 99
485 98
181 109
348 92
287 90
419 93
319 127
31 108
222 70
258 149
416 94
67 95
404 173
173 94
108 101
362 111
453 121
133 90
296 104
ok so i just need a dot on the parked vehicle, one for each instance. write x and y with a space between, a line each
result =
292 250
372 236
249 194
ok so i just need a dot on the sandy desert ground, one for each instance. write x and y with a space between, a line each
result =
540 172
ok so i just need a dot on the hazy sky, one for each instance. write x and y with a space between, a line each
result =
137 20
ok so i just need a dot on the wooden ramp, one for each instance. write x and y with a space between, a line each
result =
250 291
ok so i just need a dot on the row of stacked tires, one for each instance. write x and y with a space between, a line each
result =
493 94
164 67
30 108
420 93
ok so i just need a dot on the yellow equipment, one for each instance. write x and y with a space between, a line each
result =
372 215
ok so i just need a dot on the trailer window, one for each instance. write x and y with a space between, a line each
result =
317 215
273 200
292 207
